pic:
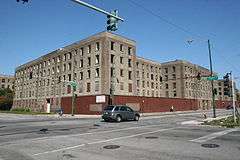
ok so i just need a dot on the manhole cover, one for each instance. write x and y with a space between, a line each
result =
44 130
151 137
111 147
210 145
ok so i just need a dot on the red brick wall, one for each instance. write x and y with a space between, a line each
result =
147 104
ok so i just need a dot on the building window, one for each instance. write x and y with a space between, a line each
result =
112 45
81 76
166 70
80 86
89 61
81 51
111 72
121 60
69 66
138 83
53 70
174 69
152 77
143 84
129 50
81 63
174 93
152 85
130 87
174 85
166 86
88 87
129 63
58 69
89 48
97 72
138 74
97 59
121 72
143 75
64 67
121 47
137 64
88 74
68 89
130 75
69 77
97 86
97 46
121 86
112 58
166 77
69 55
174 76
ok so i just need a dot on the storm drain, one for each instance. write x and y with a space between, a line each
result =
111 147
151 137
210 145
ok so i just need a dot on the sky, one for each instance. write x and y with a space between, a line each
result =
160 28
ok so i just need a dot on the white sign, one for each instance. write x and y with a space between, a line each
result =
100 99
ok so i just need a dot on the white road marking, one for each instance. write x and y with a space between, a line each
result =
213 136
103 141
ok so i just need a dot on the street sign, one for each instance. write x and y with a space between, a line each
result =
212 78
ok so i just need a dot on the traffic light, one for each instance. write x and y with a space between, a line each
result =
23 1
112 21
226 85
199 76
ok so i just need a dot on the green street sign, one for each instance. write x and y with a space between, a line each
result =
212 78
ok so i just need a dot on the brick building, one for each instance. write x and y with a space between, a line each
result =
107 70
6 81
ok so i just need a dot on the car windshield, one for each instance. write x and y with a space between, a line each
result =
108 108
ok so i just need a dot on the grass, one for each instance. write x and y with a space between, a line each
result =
225 122
26 111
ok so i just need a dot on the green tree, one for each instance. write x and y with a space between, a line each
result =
6 99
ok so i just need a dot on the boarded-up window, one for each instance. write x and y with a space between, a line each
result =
130 87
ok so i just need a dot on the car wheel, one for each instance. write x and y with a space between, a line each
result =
136 118
118 118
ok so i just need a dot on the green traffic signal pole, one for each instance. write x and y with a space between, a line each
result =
211 70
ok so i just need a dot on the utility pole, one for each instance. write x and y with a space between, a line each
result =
211 70
233 98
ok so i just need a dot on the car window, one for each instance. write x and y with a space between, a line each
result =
116 108
108 108
129 109
123 108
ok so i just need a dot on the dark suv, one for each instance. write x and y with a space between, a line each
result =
119 113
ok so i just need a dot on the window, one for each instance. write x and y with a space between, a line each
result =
166 70
152 85
160 78
64 67
75 76
151 76
143 84
174 93
97 59
121 86
58 69
129 50
89 48
166 86
130 87
174 85
129 63
69 55
97 86
121 60
88 87
81 63
69 77
174 69
138 83
81 76
88 74
112 58
111 74
97 72
174 76
69 66
81 51
121 72
129 74
97 46
137 64
137 74
80 86
166 77
121 47
112 45
31 75
89 61
68 89
53 70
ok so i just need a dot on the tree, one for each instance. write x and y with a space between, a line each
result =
6 99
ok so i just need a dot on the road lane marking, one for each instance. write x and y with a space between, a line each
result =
213 135
102 141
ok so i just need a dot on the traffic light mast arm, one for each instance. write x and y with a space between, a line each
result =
97 9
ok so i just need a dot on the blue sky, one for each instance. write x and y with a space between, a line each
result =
33 29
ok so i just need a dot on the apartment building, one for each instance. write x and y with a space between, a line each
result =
106 70
6 81
100 64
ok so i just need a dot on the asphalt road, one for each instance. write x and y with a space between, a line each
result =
160 137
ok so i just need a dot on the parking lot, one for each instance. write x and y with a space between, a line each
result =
157 137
